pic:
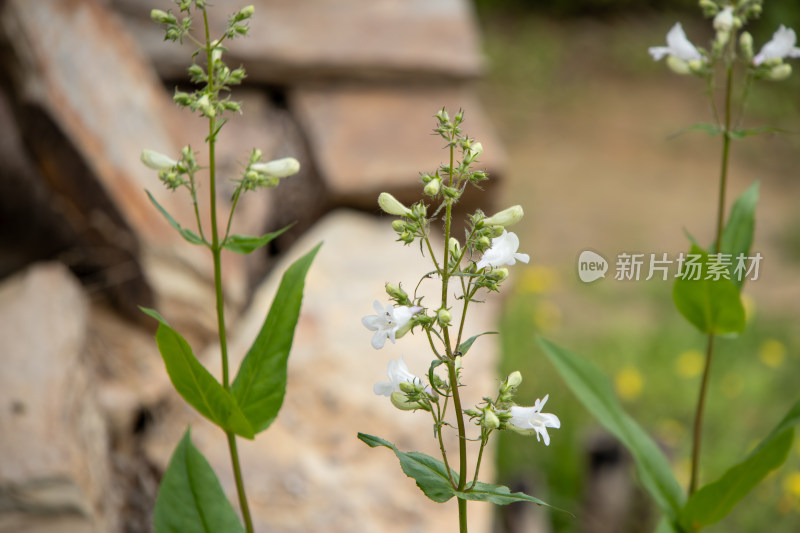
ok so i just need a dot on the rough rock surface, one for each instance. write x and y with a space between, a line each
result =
54 469
309 472
314 39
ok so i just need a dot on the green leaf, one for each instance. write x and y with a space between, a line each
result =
187 234
594 391
499 495
737 236
429 473
711 129
711 305
260 384
195 384
714 501
741 134
467 344
245 244
190 498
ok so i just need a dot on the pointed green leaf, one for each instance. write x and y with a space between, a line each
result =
429 473
187 234
260 384
594 391
711 129
741 134
190 498
195 384
464 347
499 495
711 305
712 502
245 244
737 236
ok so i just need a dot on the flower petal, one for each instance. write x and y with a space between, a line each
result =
379 339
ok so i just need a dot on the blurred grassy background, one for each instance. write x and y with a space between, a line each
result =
572 80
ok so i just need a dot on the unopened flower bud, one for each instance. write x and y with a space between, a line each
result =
399 225
498 274
204 105
419 210
513 380
400 401
780 72
216 55
182 98
432 187
490 420
279 168
677 65
506 217
746 46
157 160
450 192
709 7
407 237
162 17
472 413
408 387
484 242
444 317
246 12
392 206
475 150
395 291
454 247
442 116
724 22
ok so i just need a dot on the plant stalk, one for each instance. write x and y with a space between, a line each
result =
216 252
723 180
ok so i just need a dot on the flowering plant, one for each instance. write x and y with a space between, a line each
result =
713 303
190 497
471 265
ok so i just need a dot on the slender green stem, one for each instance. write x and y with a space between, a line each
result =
701 402
484 441
216 252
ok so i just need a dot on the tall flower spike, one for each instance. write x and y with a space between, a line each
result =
781 45
386 322
530 420
503 252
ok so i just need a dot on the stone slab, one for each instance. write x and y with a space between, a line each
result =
369 139
319 39
54 464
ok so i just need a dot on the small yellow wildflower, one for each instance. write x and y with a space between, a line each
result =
772 353
690 363
628 383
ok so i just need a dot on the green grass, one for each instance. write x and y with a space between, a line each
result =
752 386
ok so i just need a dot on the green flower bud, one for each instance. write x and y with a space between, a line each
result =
472 413
746 46
497 274
513 380
156 160
399 225
279 168
506 217
395 291
162 17
408 387
401 401
444 317
419 210
780 72
475 150
490 420
450 192
442 116
407 237
454 247
432 188
392 206
677 65
484 242
246 12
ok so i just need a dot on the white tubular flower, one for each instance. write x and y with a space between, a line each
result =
724 19
680 52
397 372
781 46
503 252
506 217
157 160
279 168
386 322
530 420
